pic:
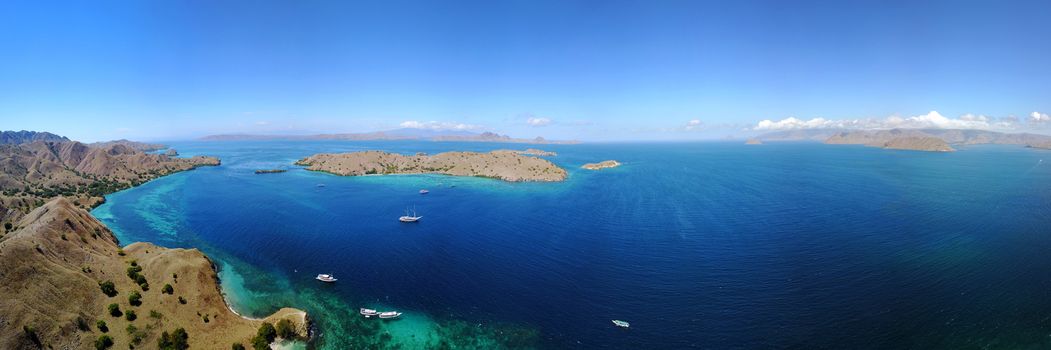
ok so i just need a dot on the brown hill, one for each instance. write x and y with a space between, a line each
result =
53 267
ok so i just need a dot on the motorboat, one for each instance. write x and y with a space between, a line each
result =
389 314
368 312
424 191
326 278
621 324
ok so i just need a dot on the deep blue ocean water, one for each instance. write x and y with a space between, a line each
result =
698 245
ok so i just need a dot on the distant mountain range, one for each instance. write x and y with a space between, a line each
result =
916 139
20 137
396 134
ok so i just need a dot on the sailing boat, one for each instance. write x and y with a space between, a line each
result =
410 218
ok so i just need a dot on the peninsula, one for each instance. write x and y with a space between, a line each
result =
33 172
67 283
601 165
503 165
892 139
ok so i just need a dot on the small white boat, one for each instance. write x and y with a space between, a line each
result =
326 278
410 218
368 312
424 191
389 314
320 185
621 324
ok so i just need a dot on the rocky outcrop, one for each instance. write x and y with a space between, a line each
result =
507 166
53 268
601 165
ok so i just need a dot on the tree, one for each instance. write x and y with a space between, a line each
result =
285 329
108 288
267 331
237 346
135 299
167 289
177 340
114 310
260 343
101 326
130 315
103 342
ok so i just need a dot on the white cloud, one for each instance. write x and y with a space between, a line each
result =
434 125
1037 117
931 120
262 123
694 124
538 121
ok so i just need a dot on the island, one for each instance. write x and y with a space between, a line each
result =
270 171
896 139
171 152
529 152
507 166
601 165
753 142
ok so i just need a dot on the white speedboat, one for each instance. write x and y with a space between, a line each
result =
326 278
368 312
621 324
424 191
389 314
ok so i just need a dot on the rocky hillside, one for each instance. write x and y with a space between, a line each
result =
879 138
20 137
62 271
31 173
507 166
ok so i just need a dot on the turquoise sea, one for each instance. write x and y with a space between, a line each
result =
698 245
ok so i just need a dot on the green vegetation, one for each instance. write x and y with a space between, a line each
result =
182 300
135 299
101 326
136 334
167 289
108 289
30 333
286 329
130 315
120 251
103 342
155 314
266 335
7 226
237 346
114 310
177 340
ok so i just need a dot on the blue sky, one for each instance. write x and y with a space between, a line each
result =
588 70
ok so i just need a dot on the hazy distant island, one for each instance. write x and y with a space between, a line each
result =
531 152
753 142
933 140
270 171
68 284
397 134
601 165
503 165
